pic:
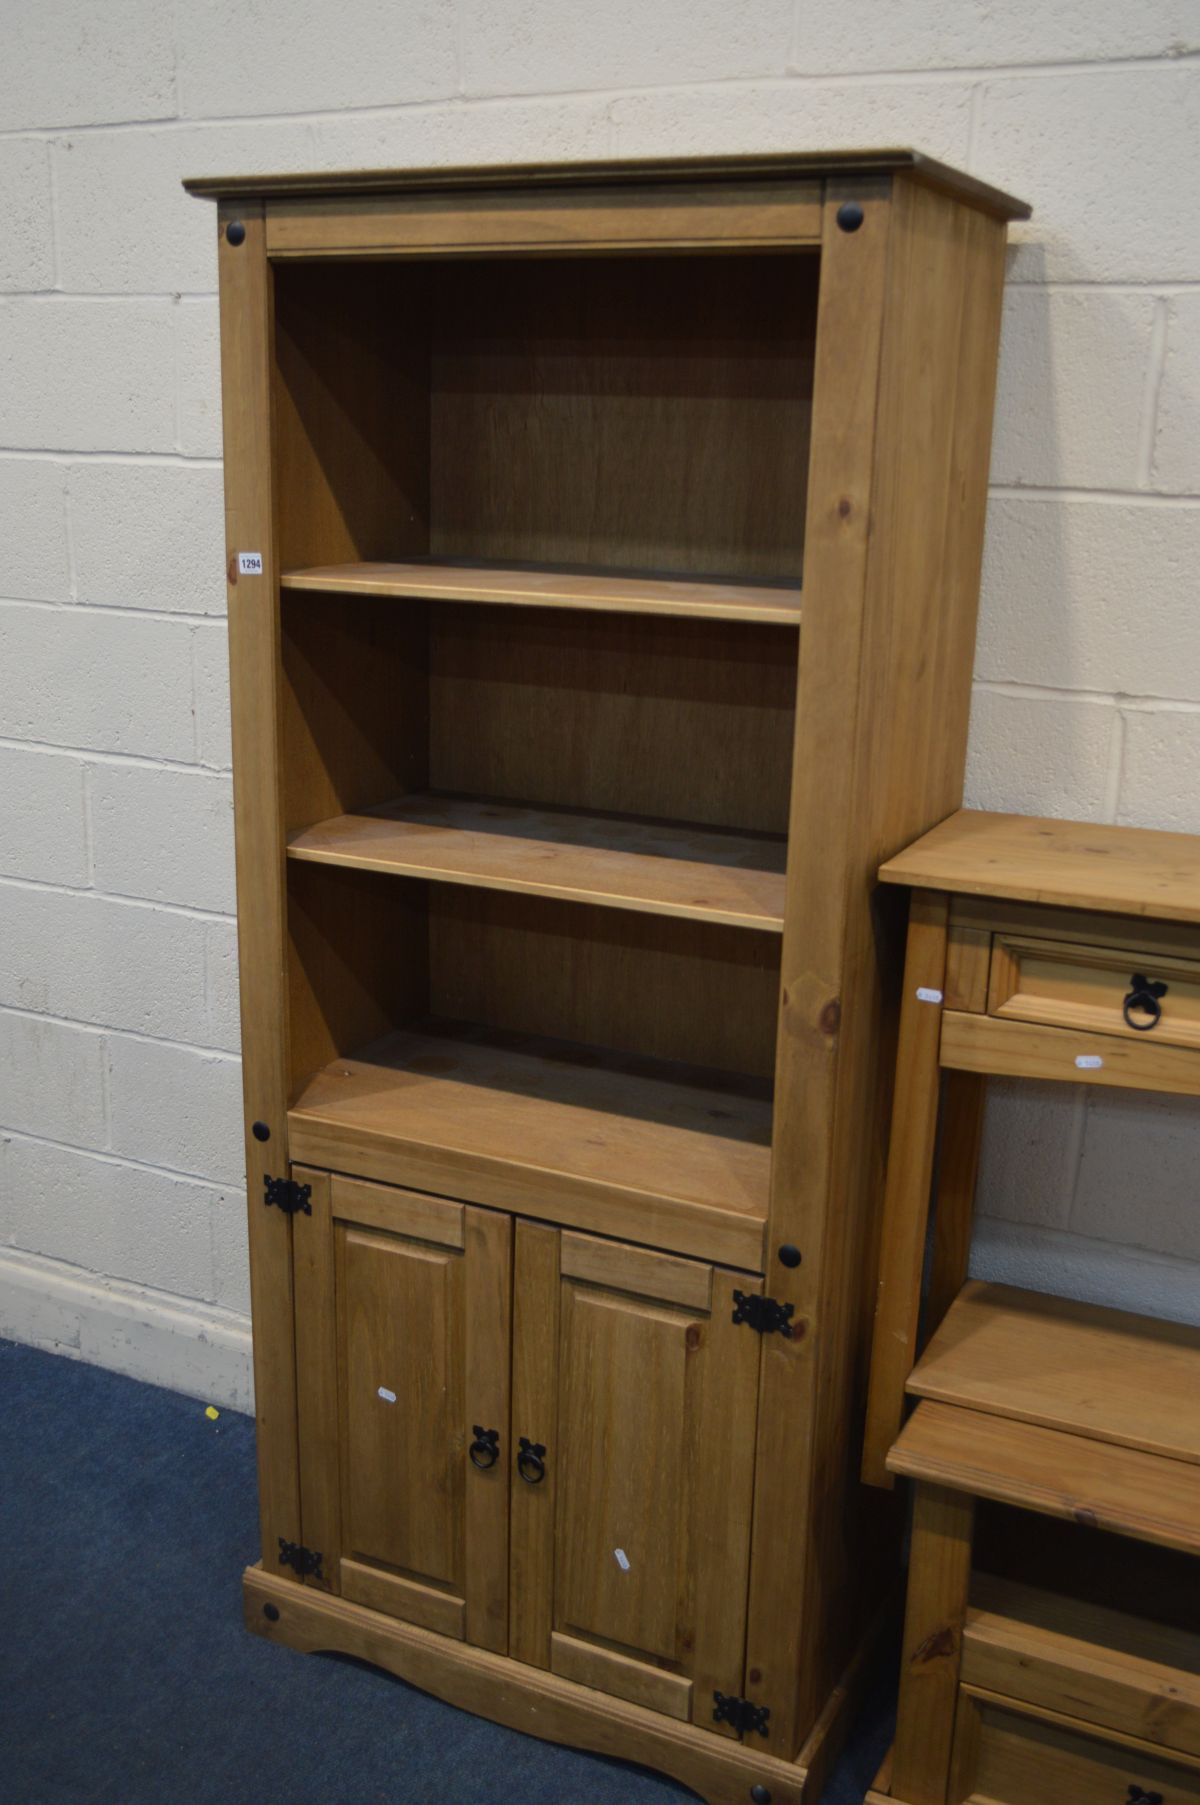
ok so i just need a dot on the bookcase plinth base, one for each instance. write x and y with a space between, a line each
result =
720 1770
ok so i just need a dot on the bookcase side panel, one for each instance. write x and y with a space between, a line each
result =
940 308
246 355
932 447
781 1642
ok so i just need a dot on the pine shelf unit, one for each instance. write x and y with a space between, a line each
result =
603 551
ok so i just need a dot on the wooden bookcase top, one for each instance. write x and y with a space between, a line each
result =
783 164
1064 864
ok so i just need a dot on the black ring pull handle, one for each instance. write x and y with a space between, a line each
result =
485 1449
1139 1796
1144 994
531 1463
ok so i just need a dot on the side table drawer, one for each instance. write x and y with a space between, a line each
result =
1094 989
1002 1756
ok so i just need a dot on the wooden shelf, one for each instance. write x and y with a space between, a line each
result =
654 1152
1086 1659
617 861
1127 1380
1053 1471
547 586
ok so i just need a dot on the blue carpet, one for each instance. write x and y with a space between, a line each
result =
126 1678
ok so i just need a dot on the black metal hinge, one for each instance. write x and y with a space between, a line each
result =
744 1715
287 1195
763 1313
305 1561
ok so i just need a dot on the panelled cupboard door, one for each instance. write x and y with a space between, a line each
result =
634 1401
402 1339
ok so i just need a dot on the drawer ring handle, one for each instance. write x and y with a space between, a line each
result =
1144 994
485 1449
531 1463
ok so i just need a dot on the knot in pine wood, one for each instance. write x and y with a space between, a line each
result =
934 1648
810 1014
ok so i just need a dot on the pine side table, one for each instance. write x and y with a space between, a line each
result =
1050 1651
1036 949
1079 1428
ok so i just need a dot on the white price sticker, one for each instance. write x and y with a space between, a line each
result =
1088 1062
622 1559
250 564
389 1397
926 995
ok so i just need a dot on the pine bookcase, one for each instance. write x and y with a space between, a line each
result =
603 554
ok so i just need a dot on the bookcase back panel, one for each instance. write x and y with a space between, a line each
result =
636 411
358 961
674 719
642 412
351 403
355 704
371 954
641 984
688 720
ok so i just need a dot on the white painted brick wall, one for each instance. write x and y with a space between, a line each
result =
1176 463
122 1234
34 558
1159 767
89 958
145 535
43 816
53 1078
538 46
28 263
192 863
97 678
175 1106
1070 412
86 374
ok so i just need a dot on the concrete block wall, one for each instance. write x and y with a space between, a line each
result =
121 1214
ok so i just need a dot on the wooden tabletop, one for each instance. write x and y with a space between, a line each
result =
1068 864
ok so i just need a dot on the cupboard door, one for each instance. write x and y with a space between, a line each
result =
634 1409
402 1337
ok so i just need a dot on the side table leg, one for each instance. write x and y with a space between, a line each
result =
939 1577
909 1175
